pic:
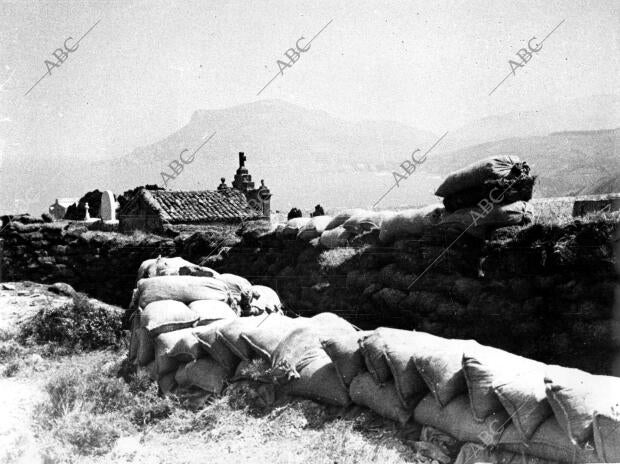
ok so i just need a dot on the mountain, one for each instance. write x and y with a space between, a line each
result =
308 157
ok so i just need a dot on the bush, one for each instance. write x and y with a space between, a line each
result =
88 433
80 324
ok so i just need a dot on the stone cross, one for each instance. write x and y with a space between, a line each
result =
108 206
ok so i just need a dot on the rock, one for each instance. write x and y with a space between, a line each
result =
62 288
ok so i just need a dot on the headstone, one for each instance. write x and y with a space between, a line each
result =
108 206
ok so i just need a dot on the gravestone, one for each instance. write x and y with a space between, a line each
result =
108 206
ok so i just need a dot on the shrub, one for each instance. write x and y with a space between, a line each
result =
81 324
88 433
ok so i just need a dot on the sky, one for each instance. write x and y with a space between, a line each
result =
146 66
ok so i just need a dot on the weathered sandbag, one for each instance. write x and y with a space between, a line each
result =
493 168
172 266
135 299
381 399
231 332
145 352
208 338
456 419
180 344
165 316
319 381
341 218
165 364
166 383
203 373
313 228
147 269
365 221
345 353
267 335
476 221
523 396
410 222
150 369
303 344
548 442
471 453
485 364
293 226
606 428
372 347
575 396
184 289
334 238
265 300
133 337
211 310
236 285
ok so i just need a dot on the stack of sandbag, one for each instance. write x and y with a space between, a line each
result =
497 176
172 266
345 226
487 194
313 228
292 227
410 222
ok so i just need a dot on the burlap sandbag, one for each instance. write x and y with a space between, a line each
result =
267 335
382 399
575 396
133 337
473 453
211 310
203 373
456 419
319 381
441 367
165 316
184 289
179 344
345 353
409 222
523 396
334 238
145 352
231 332
492 168
178 266
166 383
341 218
215 347
293 226
365 221
548 442
313 228
606 429
265 300
303 344
485 364
147 269
236 285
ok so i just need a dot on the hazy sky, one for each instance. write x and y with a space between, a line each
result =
142 71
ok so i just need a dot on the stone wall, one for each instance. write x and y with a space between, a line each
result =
545 292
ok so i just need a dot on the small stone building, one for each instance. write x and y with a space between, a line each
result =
60 207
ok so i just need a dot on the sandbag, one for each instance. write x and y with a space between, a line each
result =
341 218
265 300
236 285
133 337
147 269
231 332
215 347
575 396
548 442
135 299
303 344
492 168
265 338
313 228
165 364
334 238
203 373
293 226
483 365
381 399
145 352
441 367
372 347
165 316
365 221
410 222
166 383
471 453
319 381
179 344
476 221
172 266
456 419
523 396
345 353
606 430
184 289
211 310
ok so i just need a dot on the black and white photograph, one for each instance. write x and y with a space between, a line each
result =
327 232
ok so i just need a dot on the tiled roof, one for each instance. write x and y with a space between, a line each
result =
178 207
